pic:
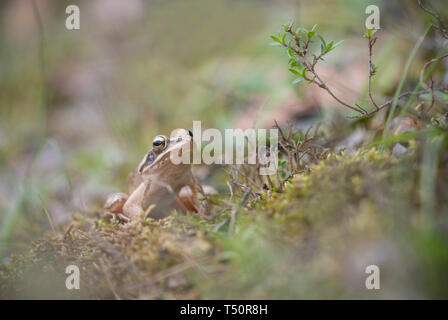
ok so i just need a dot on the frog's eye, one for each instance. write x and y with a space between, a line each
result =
159 143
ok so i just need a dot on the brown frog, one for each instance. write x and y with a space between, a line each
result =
159 181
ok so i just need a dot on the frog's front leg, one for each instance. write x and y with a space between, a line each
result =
134 205
114 206
187 200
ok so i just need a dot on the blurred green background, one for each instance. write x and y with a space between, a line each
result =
78 109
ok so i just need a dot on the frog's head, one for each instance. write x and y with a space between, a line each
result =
159 159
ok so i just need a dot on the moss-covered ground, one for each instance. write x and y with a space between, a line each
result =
313 239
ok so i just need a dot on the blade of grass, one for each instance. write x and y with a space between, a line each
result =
402 79
44 207
43 71
428 175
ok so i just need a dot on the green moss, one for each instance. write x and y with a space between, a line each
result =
115 260
314 240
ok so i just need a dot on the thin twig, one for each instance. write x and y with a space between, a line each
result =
442 26
388 102
372 70
426 65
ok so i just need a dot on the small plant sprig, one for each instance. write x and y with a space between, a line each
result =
303 61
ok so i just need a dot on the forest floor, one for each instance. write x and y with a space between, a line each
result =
313 238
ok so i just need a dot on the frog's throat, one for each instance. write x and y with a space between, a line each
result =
149 159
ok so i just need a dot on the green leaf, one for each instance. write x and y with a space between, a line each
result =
442 95
276 39
322 40
338 43
310 34
275 44
314 27
281 163
406 136
297 73
290 53
304 70
283 38
330 45
398 138
439 94
299 79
